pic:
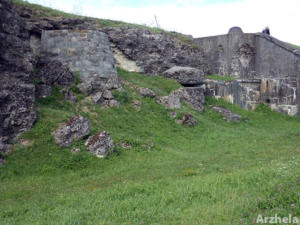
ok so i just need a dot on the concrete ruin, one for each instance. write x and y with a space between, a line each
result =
266 70
87 52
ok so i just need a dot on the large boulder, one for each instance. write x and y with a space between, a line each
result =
171 101
146 92
152 52
105 99
74 129
17 108
187 120
100 144
193 96
187 76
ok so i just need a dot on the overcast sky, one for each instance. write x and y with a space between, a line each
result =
199 18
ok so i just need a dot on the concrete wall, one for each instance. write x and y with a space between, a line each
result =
281 94
85 51
249 56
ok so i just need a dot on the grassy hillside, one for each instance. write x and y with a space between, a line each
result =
42 12
213 173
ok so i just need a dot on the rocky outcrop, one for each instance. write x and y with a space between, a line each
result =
146 92
17 108
187 120
193 96
50 73
74 129
152 52
171 101
100 144
227 114
105 99
186 76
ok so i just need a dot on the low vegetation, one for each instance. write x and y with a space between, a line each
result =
41 11
214 173
295 46
218 77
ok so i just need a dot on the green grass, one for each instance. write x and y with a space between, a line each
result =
214 173
218 77
295 46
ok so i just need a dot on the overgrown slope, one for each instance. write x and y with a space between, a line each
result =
39 11
213 173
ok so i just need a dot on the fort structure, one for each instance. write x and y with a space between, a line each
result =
87 52
266 70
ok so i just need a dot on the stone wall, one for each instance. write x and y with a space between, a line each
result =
281 94
87 52
248 56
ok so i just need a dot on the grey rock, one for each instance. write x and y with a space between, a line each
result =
35 23
17 108
137 104
171 101
172 114
75 129
125 145
100 144
113 103
193 96
107 95
43 90
97 98
228 115
187 120
154 53
75 150
186 76
70 96
146 92
105 99
52 73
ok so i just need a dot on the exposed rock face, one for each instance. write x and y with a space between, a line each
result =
70 96
187 120
228 115
52 73
186 76
172 101
17 108
75 129
87 52
194 96
154 53
35 23
146 92
100 144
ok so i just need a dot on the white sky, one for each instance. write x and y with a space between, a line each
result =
196 17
